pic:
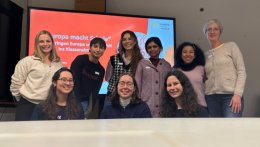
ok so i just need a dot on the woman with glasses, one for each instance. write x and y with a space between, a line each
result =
61 103
226 74
150 75
125 102
190 59
32 76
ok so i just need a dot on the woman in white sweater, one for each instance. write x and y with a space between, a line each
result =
31 80
226 74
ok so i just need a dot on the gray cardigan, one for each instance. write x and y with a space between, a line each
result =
225 70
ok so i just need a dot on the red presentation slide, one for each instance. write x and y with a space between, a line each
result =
72 32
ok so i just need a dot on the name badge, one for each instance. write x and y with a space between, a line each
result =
147 67
97 73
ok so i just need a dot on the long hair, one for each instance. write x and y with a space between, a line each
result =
136 52
114 97
198 60
37 51
188 97
50 107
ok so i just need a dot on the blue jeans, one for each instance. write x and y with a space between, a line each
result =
218 105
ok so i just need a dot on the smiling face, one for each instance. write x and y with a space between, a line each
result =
213 32
125 87
45 44
174 87
128 42
153 50
65 83
188 54
96 51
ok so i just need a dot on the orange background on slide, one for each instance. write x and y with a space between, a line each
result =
65 23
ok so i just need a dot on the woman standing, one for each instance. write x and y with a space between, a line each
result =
61 103
31 80
180 99
190 59
226 74
125 61
150 75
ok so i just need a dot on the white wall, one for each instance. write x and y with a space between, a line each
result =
58 4
239 17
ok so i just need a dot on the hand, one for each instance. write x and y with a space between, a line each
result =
235 103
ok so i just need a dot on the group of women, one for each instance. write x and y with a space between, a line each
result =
197 85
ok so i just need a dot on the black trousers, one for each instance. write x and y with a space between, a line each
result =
24 110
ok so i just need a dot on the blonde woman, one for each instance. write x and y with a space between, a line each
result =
31 80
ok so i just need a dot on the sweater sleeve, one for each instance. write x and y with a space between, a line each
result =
19 77
240 69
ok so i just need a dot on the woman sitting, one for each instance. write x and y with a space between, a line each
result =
61 103
125 102
180 99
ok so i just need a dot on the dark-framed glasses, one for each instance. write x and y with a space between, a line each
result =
66 80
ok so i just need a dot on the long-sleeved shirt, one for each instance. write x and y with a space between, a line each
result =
88 77
196 77
32 79
225 70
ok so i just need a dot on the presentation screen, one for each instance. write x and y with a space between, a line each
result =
72 32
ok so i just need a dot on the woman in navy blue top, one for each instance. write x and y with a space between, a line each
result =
125 102
179 97
61 103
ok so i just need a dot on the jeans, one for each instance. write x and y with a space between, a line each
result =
84 105
218 105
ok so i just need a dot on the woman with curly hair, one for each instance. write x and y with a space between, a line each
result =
61 103
190 59
179 98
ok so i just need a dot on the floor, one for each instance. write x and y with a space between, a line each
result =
7 113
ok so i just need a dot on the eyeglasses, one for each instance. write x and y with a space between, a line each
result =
65 80
123 83
154 46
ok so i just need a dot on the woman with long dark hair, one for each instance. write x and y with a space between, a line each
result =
125 61
180 99
61 103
